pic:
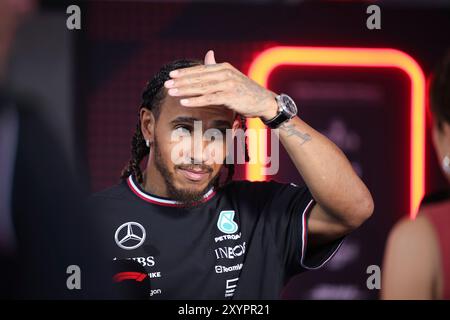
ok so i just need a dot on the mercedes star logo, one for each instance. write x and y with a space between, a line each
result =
130 235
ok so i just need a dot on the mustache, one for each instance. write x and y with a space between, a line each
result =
196 167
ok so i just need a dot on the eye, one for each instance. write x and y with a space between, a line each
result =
184 129
223 131
218 133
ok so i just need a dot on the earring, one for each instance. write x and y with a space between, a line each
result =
446 164
147 143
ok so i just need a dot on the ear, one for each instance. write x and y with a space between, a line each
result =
446 134
147 124
236 125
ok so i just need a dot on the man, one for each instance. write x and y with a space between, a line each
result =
200 239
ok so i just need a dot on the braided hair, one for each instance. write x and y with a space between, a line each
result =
152 99
440 92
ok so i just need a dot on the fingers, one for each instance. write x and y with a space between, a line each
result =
209 58
204 85
201 88
199 79
199 69
217 98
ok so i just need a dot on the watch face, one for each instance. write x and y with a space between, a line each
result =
289 104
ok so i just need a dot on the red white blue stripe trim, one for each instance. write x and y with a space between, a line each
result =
305 240
160 201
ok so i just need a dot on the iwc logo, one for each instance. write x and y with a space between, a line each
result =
225 222
130 235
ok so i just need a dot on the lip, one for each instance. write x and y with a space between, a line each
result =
194 175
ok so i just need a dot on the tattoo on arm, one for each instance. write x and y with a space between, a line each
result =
291 130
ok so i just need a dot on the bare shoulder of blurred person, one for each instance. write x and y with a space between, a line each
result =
413 265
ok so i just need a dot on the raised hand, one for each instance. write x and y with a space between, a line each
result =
221 84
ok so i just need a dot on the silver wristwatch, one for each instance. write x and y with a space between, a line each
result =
286 111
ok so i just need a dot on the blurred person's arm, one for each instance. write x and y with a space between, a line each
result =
411 267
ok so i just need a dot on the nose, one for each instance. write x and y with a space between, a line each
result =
200 154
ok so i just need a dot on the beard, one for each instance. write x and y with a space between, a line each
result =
188 197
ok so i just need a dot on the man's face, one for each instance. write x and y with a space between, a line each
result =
189 147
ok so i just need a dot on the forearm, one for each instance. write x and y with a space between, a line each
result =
326 171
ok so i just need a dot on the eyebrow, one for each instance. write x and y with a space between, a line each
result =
215 123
